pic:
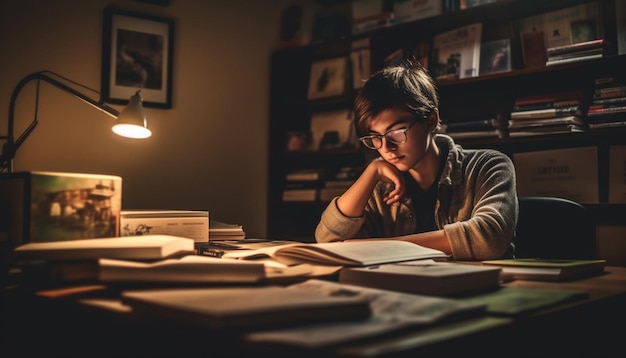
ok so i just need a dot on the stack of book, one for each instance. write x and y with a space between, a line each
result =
220 231
302 185
547 114
608 105
337 183
579 51
476 128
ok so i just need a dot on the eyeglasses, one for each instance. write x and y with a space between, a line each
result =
395 136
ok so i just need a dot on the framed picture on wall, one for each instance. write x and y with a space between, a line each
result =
137 53
328 78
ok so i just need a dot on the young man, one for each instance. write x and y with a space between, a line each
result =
424 188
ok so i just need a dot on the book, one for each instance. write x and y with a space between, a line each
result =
391 312
546 269
351 253
563 26
360 64
603 110
521 301
456 53
219 248
611 124
426 277
534 48
575 47
44 206
561 61
545 130
573 102
578 54
546 113
554 99
219 231
190 269
304 174
245 307
542 122
193 224
146 247
290 195
411 10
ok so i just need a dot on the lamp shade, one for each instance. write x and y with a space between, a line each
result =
131 122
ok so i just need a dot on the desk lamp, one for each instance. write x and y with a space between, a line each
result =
130 122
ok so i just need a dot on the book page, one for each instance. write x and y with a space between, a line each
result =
352 253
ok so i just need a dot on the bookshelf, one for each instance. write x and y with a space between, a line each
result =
490 94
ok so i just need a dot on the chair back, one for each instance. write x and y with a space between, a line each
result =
554 228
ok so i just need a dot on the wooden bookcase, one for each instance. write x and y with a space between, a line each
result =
489 94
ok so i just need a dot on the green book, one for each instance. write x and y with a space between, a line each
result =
547 269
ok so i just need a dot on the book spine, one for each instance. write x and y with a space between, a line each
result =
547 105
611 100
606 110
580 46
573 59
545 113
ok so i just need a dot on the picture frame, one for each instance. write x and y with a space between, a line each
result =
495 56
328 78
137 54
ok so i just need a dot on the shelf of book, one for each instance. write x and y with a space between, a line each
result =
484 96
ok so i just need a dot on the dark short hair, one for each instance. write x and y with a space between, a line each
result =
406 86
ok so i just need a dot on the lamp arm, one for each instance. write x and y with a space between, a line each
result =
10 147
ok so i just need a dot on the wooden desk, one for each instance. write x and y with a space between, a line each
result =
90 321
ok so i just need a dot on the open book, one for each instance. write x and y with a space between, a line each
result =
146 247
351 253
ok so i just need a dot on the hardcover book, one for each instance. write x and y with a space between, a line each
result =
187 270
456 53
147 247
425 277
193 224
245 307
547 113
56 206
546 269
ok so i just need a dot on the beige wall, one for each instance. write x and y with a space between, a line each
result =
208 152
